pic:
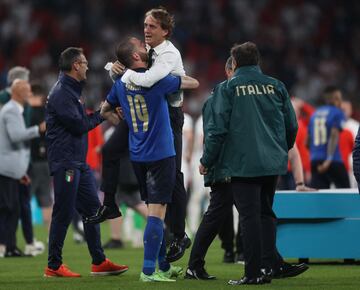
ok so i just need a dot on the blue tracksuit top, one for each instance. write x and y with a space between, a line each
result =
67 125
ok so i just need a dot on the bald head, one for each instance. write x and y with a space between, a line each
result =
20 90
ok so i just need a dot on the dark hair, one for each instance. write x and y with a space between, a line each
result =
68 57
124 51
245 54
37 89
328 93
166 20
330 89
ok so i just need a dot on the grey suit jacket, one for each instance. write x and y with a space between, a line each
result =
14 153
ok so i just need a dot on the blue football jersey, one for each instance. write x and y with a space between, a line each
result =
147 115
322 121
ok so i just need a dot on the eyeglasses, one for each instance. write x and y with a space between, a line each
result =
82 61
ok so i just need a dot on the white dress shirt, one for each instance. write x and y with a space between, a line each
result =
167 60
20 106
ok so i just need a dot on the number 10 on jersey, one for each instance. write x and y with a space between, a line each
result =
138 112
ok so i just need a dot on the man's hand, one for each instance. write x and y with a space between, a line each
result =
323 167
118 68
113 118
303 187
25 180
203 170
42 127
108 113
119 112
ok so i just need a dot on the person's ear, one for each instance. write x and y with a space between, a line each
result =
234 64
136 56
75 66
165 33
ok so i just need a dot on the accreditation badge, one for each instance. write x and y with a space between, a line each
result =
69 175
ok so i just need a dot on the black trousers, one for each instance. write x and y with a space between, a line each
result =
112 151
227 235
221 202
117 146
176 211
254 199
9 211
286 182
25 213
336 173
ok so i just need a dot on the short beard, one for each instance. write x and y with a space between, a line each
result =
144 56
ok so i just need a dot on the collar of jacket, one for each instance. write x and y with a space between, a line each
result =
140 69
246 69
72 83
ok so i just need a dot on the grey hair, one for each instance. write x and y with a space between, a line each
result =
18 72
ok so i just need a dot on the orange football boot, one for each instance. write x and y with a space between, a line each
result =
108 268
63 271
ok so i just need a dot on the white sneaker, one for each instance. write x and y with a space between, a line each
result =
31 250
39 245
137 239
78 238
80 226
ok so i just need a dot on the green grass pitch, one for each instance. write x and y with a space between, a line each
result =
27 273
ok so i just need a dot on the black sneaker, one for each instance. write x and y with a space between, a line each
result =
177 249
303 260
15 253
114 244
229 257
199 274
103 213
249 281
239 259
289 270
267 275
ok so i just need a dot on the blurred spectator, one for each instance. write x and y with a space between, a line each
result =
32 247
17 72
326 123
15 161
303 112
198 193
187 146
346 146
39 169
347 140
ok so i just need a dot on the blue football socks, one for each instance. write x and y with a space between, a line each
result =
153 236
164 265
